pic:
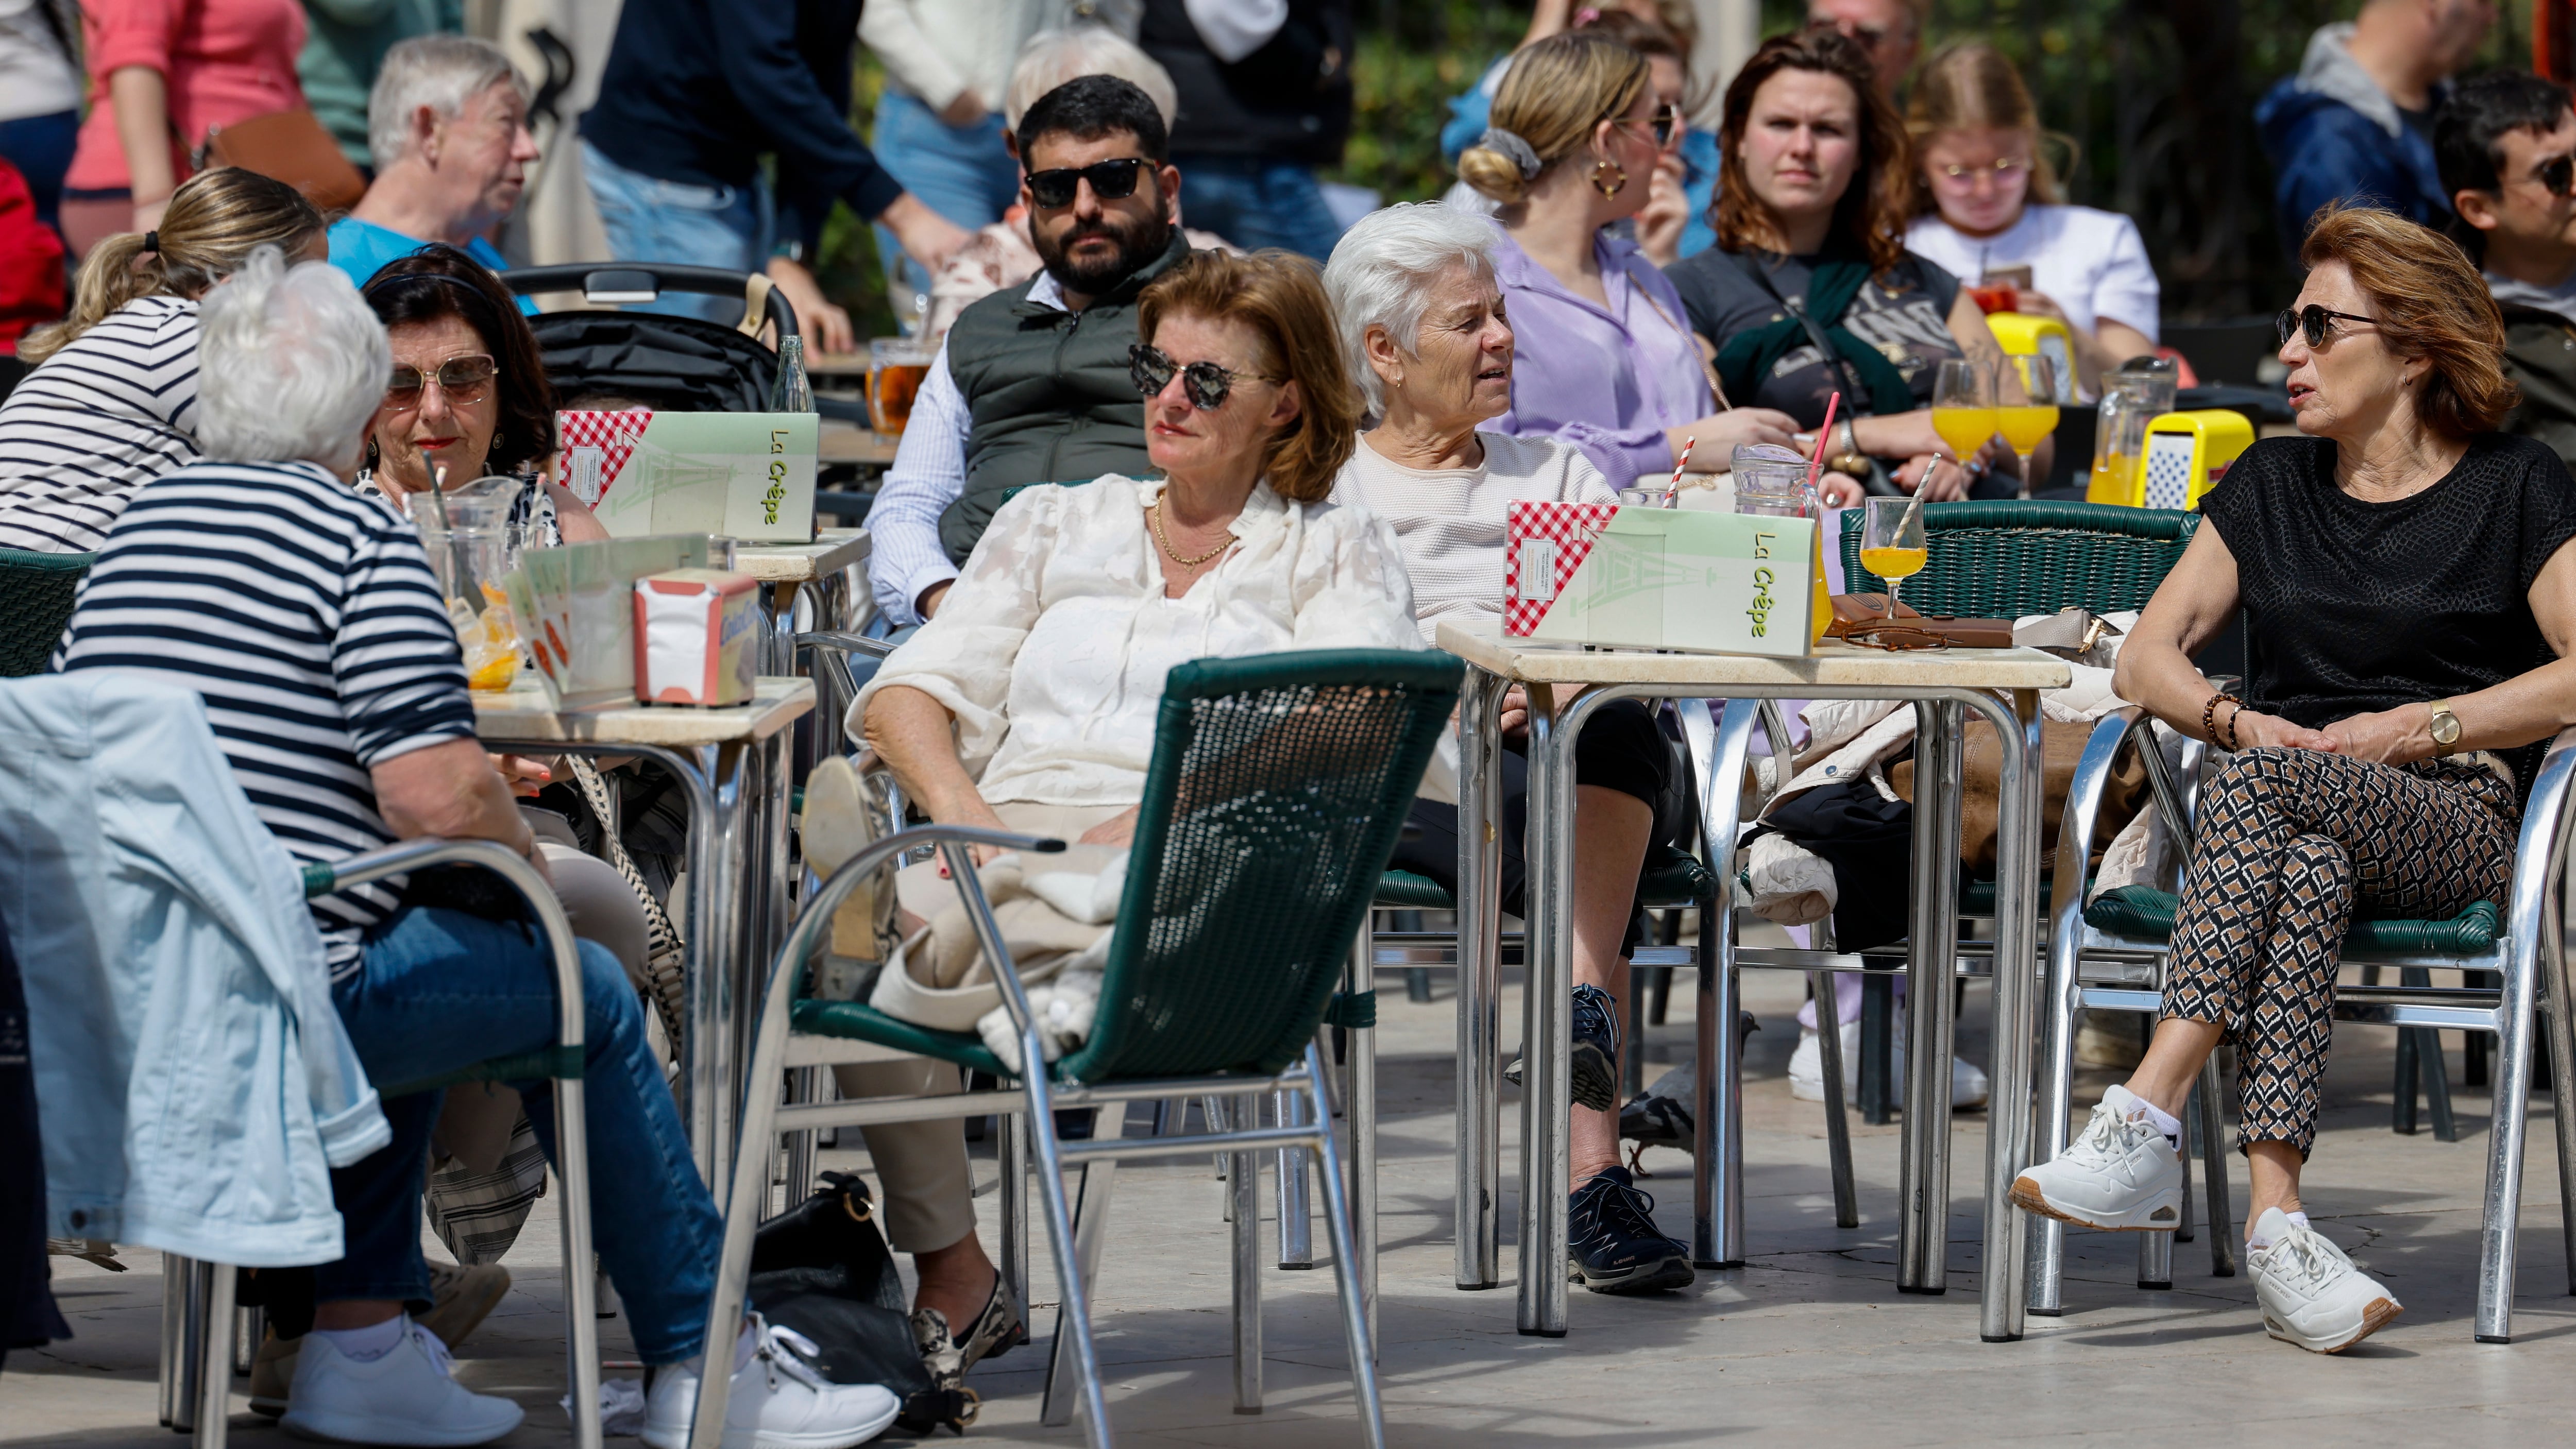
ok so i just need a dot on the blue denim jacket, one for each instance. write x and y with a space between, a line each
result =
193 1080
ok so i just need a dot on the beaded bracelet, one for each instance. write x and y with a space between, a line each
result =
2209 719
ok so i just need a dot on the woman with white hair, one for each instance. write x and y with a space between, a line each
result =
1421 315
306 619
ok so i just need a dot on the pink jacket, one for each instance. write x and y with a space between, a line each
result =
223 61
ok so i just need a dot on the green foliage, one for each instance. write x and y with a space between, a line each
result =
1412 59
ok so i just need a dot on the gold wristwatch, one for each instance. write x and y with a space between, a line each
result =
2445 729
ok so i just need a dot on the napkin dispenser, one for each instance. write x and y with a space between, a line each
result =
1654 578
695 631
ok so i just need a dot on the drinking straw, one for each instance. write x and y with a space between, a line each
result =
1673 490
1816 464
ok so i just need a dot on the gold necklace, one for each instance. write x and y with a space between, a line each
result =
1155 513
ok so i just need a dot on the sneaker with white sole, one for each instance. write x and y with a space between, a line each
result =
2121 1175
460 1298
778 1400
2310 1293
407 1395
1968 1086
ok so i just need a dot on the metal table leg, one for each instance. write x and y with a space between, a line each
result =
1717 1197
1360 1105
1923 1177
2016 927
1480 1127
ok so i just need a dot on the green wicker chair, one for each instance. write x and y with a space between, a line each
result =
2000 560
1276 792
36 592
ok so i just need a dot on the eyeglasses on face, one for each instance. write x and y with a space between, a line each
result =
1110 181
2312 322
1205 384
2003 168
1663 125
463 380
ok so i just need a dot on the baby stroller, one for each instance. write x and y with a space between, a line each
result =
680 364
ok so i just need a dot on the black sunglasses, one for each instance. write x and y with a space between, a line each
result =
2310 322
1110 181
2557 175
1204 383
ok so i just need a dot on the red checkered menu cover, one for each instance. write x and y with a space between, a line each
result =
1569 529
613 433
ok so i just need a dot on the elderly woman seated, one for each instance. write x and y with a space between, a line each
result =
1028 702
307 620
1421 315
2409 604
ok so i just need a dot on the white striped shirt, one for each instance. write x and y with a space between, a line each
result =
307 619
95 422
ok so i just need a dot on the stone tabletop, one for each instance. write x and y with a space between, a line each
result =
524 713
1834 666
796 563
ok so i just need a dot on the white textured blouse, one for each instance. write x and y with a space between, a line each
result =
1052 646
1451 522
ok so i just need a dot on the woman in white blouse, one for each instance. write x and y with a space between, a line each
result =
1997 206
1421 314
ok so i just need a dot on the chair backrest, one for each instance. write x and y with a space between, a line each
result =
36 591
2000 560
1278 788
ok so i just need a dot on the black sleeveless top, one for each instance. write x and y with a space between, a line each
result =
2354 607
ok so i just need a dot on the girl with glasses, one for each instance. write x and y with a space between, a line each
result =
1992 199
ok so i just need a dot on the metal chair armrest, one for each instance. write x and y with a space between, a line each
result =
2084 796
844 642
518 870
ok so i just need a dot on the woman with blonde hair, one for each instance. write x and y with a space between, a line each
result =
1992 199
2409 603
1607 362
112 402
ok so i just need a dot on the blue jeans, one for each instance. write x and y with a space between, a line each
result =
442 990
1255 203
961 172
41 148
650 220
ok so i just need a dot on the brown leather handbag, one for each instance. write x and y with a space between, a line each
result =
289 146
1864 619
2061 747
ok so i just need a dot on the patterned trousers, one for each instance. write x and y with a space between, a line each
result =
2289 844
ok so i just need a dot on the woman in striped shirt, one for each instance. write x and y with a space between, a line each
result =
112 402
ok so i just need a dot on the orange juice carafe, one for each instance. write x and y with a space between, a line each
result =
2140 390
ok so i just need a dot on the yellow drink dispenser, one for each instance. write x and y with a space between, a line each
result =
2185 454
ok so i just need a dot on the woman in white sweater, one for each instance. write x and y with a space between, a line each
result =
1421 314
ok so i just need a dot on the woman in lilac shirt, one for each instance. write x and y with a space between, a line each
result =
1607 361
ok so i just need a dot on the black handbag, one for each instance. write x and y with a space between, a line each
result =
823 1269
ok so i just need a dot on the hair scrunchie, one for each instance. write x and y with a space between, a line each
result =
152 243
1511 146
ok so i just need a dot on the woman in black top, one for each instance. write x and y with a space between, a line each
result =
1815 189
2408 605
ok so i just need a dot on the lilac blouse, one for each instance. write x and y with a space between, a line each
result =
1608 382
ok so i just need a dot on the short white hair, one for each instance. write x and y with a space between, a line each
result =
291 363
1381 276
1053 57
442 72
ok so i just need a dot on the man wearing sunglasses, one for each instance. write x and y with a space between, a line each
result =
2506 143
1033 385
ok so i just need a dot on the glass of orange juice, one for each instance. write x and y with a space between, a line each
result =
1892 544
1963 406
2026 407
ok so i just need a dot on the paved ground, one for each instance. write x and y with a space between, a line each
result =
1810 1339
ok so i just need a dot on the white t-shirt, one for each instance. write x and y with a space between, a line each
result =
2089 262
1451 522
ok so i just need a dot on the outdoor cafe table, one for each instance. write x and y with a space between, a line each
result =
733 764
825 582
1944 684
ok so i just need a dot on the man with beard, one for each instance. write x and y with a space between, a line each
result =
1032 383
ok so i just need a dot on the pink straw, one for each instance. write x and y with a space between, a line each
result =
1816 464
1673 490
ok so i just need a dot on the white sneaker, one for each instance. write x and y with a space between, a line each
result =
2310 1293
2122 1175
778 1400
409 1396
1968 1087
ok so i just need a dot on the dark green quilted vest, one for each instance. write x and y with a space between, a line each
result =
1048 394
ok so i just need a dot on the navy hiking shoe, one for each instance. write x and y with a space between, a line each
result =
1612 1243
1594 1079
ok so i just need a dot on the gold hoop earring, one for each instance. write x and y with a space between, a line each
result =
1614 186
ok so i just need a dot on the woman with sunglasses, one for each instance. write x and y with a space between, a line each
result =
1607 361
468 397
1991 201
1815 182
2409 601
